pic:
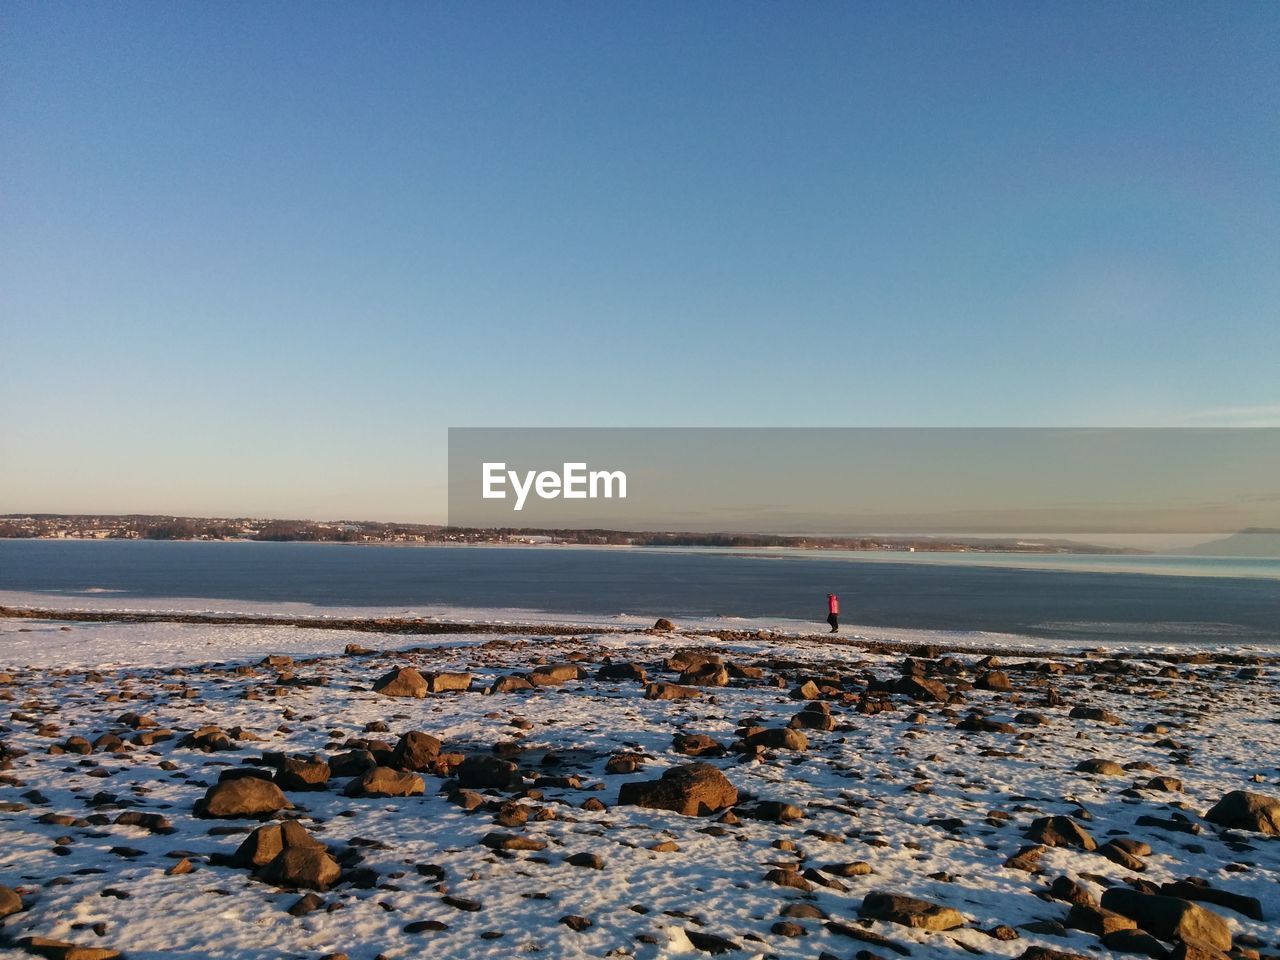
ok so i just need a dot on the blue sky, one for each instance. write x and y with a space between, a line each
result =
258 257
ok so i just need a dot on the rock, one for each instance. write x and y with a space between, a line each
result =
295 774
994 680
1105 768
1243 810
664 625
553 674
695 789
260 847
1097 714
855 868
62 950
386 782
305 867
706 675
448 682
415 751
621 671
1164 784
401 682
697 745
489 773
1060 832
154 822
976 723
592 860
1096 920
777 738
512 841
1135 941
670 691
1066 889
352 763
920 688
806 691
909 911
575 922
774 811
1199 890
355 650
1044 953
1169 918
511 684
1117 854
287 856
10 902
305 904
242 797
710 942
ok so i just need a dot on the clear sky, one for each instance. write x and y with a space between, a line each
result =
256 258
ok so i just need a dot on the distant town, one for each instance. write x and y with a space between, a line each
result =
54 526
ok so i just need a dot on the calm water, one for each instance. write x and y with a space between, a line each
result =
1075 602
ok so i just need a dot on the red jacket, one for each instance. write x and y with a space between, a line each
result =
833 604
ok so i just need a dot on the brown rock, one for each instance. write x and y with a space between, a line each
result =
448 682
489 773
415 751
62 950
242 797
296 774
670 691
1060 832
10 902
1243 810
695 789
1169 918
909 911
386 782
401 682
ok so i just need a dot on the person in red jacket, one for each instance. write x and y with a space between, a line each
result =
833 612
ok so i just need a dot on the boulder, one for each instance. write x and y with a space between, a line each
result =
621 671
401 682
670 691
664 625
242 797
415 751
909 911
922 688
777 738
260 847
386 782
64 950
1169 918
296 774
1104 768
10 901
696 745
448 682
302 862
1243 810
1060 832
553 674
706 675
489 773
694 790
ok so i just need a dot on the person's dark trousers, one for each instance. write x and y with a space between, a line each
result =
834 621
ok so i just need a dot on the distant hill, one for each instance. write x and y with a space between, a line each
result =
1246 543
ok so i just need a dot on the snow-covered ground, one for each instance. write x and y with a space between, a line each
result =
887 789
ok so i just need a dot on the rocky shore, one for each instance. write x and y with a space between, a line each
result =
571 793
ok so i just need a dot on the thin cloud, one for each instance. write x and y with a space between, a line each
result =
1263 415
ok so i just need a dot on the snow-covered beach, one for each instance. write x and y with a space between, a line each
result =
856 770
